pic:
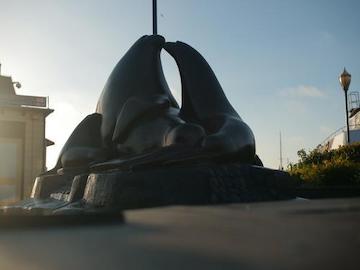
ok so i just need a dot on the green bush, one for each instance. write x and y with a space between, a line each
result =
335 167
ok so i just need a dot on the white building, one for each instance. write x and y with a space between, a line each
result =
339 137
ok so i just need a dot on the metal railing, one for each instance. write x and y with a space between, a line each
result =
25 101
336 132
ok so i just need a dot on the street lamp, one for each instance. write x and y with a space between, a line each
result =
345 79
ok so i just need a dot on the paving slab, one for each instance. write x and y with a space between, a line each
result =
297 234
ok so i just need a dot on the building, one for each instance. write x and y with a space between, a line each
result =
22 140
339 137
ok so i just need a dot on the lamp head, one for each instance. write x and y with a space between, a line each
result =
345 79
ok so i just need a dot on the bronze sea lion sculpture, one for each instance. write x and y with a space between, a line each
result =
136 115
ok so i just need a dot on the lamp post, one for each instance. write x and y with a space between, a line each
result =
345 79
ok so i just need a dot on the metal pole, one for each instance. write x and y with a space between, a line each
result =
347 118
281 158
154 17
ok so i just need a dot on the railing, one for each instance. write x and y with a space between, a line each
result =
354 100
336 132
27 101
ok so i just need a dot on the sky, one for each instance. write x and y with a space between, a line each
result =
278 61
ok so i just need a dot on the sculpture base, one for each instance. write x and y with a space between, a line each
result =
111 192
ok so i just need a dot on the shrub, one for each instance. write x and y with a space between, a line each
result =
335 167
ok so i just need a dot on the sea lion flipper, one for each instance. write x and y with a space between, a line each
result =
81 144
233 138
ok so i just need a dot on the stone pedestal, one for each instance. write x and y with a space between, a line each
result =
190 185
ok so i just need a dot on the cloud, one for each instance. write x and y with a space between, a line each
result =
296 106
302 91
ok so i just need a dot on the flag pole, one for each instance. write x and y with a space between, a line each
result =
154 17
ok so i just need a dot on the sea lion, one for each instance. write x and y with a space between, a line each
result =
204 103
136 112
139 113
